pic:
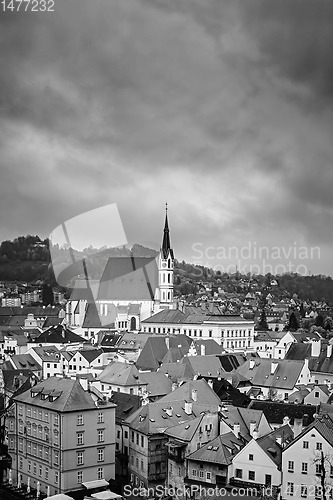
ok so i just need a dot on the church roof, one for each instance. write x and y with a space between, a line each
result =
166 245
129 278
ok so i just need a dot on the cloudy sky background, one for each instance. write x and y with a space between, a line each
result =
222 108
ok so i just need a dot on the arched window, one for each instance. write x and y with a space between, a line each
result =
133 323
168 278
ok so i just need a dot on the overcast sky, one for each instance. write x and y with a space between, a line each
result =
222 108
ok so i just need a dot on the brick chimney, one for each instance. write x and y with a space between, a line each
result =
315 348
188 407
298 425
255 434
203 350
274 366
253 426
236 429
194 395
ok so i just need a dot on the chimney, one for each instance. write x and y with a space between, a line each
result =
274 366
329 350
298 425
188 407
174 386
252 364
203 350
252 427
255 434
210 383
279 440
167 342
236 429
305 420
286 420
169 411
194 395
315 348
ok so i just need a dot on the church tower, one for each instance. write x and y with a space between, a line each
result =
166 266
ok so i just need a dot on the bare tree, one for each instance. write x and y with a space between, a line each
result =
324 464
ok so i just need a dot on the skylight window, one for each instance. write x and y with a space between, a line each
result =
209 448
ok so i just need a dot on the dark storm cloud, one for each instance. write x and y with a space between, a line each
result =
221 108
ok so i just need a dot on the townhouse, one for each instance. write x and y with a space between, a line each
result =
61 436
50 360
259 463
276 378
211 464
120 377
148 452
307 463
184 439
87 361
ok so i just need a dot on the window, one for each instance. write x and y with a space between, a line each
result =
316 394
142 441
20 412
79 458
318 469
290 489
132 436
46 472
290 466
141 464
35 468
56 419
40 471
100 436
100 455
194 472
331 470
126 434
304 491
21 462
56 437
137 438
29 465
239 473
201 474
79 438
100 418
56 477
304 467
319 446
56 458
80 476
252 475
46 417
208 476
29 412
47 454
251 457
306 444
100 473
80 420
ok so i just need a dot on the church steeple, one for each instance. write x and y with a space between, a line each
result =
166 266
166 245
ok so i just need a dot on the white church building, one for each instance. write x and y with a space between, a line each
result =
130 290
